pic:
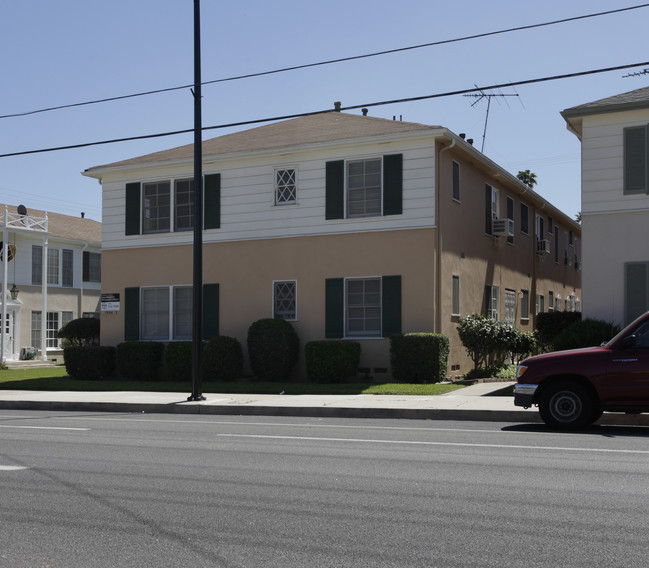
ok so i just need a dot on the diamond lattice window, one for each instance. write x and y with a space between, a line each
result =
285 300
285 186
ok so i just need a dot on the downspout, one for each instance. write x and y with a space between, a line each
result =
438 260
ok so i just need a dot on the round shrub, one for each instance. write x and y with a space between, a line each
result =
273 348
178 360
222 359
80 332
585 333
331 361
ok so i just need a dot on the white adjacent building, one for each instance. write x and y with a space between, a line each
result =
50 275
614 135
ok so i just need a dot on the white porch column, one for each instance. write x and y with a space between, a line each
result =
5 261
44 294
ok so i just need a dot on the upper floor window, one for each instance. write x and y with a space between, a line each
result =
184 205
491 208
156 207
60 266
525 219
510 306
456 181
285 186
510 215
492 302
525 304
364 188
636 159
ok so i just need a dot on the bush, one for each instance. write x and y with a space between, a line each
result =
273 348
585 333
222 359
178 360
331 361
89 363
139 360
80 332
419 357
550 324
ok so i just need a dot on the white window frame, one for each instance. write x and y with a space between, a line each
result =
493 303
53 266
54 322
348 190
510 306
283 187
163 223
169 308
189 205
285 314
525 305
540 303
365 306
455 293
539 227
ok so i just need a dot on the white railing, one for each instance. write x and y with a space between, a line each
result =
18 221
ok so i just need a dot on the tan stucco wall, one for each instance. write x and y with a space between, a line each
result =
245 271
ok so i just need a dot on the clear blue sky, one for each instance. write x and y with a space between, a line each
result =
69 51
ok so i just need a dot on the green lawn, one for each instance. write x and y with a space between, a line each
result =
55 378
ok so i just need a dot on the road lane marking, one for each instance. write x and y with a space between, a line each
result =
12 467
42 427
423 443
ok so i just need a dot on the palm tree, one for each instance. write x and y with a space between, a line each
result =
527 177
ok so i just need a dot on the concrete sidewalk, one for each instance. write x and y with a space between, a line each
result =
469 403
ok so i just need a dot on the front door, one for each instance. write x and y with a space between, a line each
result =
9 329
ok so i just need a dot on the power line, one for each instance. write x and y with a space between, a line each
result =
327 62
353 107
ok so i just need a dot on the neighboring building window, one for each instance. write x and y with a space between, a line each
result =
540 304
636 290
285 186
491 208
184 205
156 209
510 306
550 225
540 228
52 266
550 300
363 307
635 160
510 215
364 188
54 322
455 308
91 266
182 312
285 300
492 301
37 326
37 264
558 303
456 181
525 304
66 317
67 263
52 330
525 219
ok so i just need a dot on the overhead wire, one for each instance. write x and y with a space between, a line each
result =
311 113
329 61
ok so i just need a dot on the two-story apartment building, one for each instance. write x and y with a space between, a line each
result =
614 135
53 267
350 227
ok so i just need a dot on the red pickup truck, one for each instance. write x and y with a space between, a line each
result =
573 388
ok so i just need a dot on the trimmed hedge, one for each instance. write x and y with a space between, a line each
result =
331 361
585 333
139 360
419 357
89 363
222 359
273 348
80 332
178 360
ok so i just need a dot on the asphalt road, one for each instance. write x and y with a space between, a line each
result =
136 490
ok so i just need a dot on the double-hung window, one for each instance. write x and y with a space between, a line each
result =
363 307
285 186
184 205
285 300
53 266
492 302
156 207
166 313
364 188
491 208
60 266
510 306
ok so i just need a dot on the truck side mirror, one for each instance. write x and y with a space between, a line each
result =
628 342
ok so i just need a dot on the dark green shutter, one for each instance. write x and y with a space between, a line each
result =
635 159
131 314
335 190
132 219
393 184
391 305
86 266
334 308
212 202
210 311
636 293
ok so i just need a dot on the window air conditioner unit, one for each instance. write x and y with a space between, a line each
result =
503 228
543 246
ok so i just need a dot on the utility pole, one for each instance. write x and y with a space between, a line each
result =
197 295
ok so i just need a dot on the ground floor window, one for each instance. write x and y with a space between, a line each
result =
54 321
492 302
540 303
166 313
285 300
510 306
363 307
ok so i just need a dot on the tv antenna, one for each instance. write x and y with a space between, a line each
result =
482 95
645 71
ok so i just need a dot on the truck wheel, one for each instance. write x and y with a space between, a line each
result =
566 405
